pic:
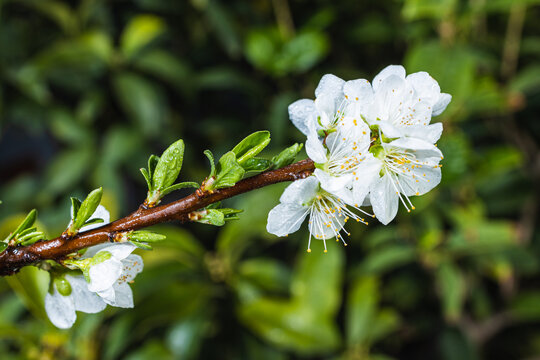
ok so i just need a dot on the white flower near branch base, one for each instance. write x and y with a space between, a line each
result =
327 213
402 106
61 309
109 278
107 269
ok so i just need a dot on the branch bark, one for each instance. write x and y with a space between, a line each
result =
14 258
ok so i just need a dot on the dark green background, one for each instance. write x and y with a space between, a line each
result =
90 88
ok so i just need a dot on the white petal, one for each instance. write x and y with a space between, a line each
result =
425 178
302 112
120 251
133 265
108 295
93 250
368 173
389 130
60 309
424 85
326 106
384 199
329 84
100 213
441 104
315 149
430 133
84 300
358 90
339 186
300 191
104 275
123 296
285 219
396 70
423 149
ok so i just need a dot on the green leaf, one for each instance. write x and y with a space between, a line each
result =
230 172
3 246
152 163
146 176
25 224
145 236
182 185
93 221
212 217
168 166
87 209
257 165
140 31
75 205
210 157
142 100
287 156
251 146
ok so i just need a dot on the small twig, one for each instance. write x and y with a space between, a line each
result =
15 258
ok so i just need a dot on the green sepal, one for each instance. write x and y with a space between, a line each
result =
182 185
142 246
62 285
168 166
210 157
287 156
377 151
25 224
3 246
257 165
86 210
251 146
325 132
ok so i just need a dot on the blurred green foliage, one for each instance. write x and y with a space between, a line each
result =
88 89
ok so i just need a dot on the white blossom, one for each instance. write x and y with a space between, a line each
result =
404 167
327 213
402 106
109 278
108 269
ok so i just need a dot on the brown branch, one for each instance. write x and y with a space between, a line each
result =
15 258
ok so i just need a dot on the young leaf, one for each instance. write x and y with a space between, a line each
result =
179 186
3 246
168 167
93 221
210 157
25 224
257 165
87 208
146 176
212 217
230 172
152 163
287 156
251 146
75 205
145 236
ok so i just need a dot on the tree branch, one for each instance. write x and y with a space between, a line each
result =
17 257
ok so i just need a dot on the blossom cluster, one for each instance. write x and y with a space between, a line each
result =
373 144
99 278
